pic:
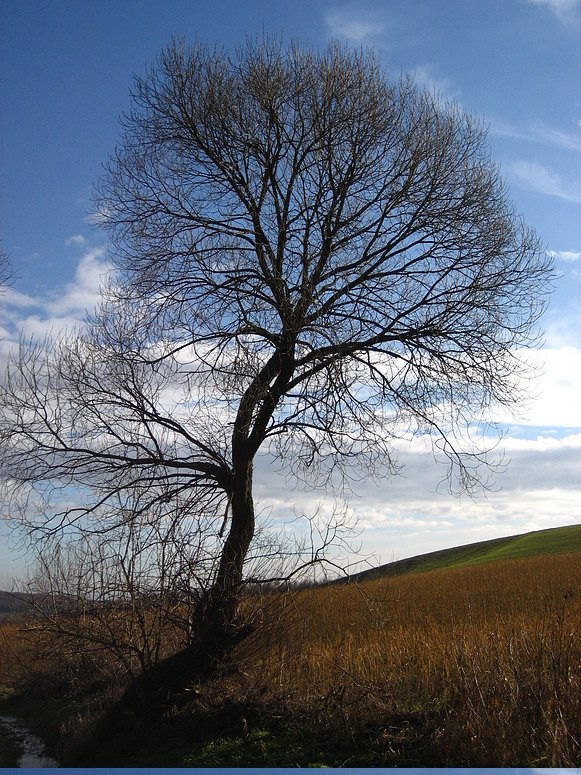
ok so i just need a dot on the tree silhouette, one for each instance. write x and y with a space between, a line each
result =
309 259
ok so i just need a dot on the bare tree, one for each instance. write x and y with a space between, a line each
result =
5 270
310 260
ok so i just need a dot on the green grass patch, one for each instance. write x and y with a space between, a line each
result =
225 740
283 745
557 540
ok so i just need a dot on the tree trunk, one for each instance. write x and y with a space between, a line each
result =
227 584
215 630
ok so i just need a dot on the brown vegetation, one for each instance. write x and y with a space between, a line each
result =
487 658
469 666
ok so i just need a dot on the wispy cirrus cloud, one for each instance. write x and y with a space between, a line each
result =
355 24
566 255
537 132
543 180
566 11
557 138
428 77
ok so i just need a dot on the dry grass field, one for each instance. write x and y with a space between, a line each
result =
485 660
471 666
14 654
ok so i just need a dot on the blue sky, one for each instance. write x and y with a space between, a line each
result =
65 72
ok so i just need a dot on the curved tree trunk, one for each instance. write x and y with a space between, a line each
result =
224 592
215 630
214 626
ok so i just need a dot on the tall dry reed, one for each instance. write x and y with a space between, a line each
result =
472 666
484 660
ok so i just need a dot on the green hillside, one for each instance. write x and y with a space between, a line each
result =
553 541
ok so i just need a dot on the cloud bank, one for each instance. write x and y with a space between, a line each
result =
28 317
356 25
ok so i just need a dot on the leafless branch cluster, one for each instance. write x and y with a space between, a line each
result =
6 273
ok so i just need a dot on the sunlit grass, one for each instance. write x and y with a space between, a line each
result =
469 666
493 650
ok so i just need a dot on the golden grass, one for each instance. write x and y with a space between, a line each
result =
488 656
14 654
471 666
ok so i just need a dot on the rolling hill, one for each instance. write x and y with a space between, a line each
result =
12 604
556 540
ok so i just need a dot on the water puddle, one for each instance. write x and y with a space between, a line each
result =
33 748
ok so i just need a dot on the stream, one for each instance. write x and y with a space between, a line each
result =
33 748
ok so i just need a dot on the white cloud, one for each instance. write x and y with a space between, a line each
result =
554 391
77 240
358 26
557 137
542 444
60 309
566 255
426 76
83 293
537 132
565 10
544 181
502 128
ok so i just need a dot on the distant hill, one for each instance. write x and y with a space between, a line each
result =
553 541
12 603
